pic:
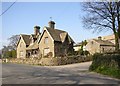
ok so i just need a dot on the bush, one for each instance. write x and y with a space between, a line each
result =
81 52
109 71
10 54
108 64
14 55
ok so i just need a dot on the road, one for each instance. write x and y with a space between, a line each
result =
66 74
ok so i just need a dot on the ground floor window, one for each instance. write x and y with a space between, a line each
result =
21 54
46 51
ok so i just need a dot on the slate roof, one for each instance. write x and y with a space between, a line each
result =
33 46
26 38
104 42
33 35
58 35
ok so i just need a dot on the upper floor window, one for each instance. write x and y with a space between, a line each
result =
46 40
21 44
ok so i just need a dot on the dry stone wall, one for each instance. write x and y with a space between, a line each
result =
54 61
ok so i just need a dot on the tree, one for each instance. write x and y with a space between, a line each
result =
118 17
81 50
101 16
13 41
84 43
8 52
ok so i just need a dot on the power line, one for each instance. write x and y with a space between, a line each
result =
8 8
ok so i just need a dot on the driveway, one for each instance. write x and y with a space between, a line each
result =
66 74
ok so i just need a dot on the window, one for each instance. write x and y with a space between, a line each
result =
21 53
46 51
21 44
46 40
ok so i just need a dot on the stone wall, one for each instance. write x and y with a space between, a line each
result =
54 61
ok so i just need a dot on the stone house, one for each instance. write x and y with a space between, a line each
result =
27 45
102 44
55 42
110 38
99 46
23 43
77 46
51 42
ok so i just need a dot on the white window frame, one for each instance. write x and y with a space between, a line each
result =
46 51
46 40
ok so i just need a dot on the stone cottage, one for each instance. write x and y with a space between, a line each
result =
51 43
77 46
99 46
27 45
55 42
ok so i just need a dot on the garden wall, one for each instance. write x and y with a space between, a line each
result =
54 61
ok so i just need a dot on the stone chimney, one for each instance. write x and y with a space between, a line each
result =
36 30
99 38
51 24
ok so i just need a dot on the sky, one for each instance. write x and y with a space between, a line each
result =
23 16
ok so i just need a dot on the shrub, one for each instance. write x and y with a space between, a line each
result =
10 54
108 64
86 52
14 55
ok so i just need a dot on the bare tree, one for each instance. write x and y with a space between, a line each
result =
101 16
13 41
118 17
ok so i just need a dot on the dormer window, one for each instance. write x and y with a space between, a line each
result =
46 40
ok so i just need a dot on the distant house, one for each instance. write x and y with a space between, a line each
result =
77 46
100 46
110 38
51 42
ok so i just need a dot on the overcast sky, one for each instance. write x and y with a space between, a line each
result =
23 16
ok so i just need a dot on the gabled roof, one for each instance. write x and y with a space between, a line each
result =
104 42
33 35
55 33
26 38
33 46
58 35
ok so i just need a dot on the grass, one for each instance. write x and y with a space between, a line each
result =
113 72
107 64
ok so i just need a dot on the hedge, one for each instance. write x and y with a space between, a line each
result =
108 64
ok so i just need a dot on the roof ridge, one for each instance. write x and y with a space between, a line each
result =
25 34
56 29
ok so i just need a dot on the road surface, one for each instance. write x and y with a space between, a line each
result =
66 74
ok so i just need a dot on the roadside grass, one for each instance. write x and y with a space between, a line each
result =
112 72
106 64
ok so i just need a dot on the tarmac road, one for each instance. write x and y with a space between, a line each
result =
65 74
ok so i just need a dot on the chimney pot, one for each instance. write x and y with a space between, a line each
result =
99 38
36 30
51 24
